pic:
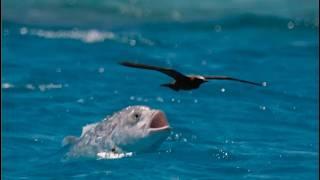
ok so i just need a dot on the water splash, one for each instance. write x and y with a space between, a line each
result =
112 155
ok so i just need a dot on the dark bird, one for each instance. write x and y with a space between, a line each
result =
184 82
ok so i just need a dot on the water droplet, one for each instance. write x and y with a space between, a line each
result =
264 84
176 15
217 28
30 86
132 42
160 99
101 70
80 100
262 108
6 85
23 30
291 25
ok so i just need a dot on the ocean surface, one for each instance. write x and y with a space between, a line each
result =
58 78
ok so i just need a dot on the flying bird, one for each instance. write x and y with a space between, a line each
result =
184 82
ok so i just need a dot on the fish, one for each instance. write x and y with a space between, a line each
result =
132 129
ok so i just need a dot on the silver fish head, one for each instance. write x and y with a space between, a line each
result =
140 128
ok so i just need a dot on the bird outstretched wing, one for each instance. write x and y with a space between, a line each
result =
170 72
232 79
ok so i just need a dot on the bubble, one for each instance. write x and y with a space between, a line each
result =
291 25
223 90
132 97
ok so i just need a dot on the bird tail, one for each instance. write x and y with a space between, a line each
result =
170 85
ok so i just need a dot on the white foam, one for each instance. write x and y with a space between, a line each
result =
44 87
291 25
112 155
6 85
87 36
30 86
160 99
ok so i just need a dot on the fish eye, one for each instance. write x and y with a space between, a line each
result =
136 117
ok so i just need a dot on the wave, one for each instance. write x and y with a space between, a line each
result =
110 13
87 36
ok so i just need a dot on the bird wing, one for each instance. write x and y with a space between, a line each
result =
170 72
231 79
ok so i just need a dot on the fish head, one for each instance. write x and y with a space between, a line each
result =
141 128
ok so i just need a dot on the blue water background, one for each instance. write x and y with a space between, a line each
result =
56 79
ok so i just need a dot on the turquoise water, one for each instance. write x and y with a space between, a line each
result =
57 79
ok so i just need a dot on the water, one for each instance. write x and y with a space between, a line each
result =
58 78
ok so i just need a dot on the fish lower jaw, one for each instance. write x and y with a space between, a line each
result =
167 127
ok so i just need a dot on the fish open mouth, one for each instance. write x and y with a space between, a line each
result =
159 122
